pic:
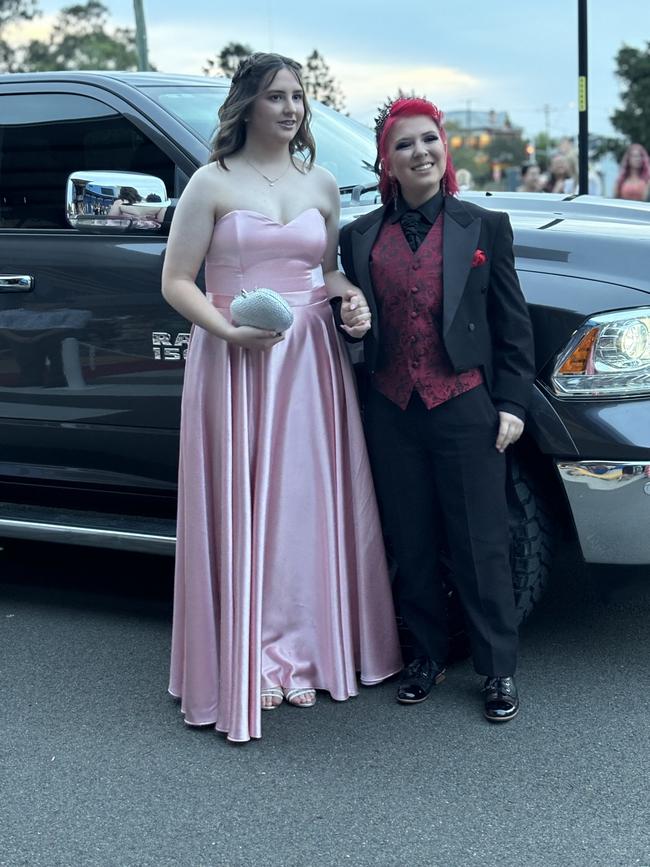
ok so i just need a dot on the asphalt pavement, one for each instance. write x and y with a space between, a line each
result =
98 768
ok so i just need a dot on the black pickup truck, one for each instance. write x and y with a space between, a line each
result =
91 357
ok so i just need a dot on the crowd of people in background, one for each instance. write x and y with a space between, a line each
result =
561 176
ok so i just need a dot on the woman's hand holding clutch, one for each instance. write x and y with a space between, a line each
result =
260 316
256 339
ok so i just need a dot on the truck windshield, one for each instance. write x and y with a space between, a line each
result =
343 146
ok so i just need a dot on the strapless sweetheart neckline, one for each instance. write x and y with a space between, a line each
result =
267 218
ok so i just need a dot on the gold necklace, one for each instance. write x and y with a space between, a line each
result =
270 181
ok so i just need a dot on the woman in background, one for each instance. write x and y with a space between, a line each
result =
131 204
634 178
561 175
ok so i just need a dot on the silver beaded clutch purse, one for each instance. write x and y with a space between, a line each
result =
261 308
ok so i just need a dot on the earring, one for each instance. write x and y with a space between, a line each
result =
444 184
394 190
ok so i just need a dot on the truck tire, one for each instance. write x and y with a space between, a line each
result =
533 533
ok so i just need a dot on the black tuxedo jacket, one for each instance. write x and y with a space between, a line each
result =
485 319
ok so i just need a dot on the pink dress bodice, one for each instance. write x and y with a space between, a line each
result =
249 250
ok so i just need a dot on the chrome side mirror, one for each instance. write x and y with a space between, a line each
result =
109 202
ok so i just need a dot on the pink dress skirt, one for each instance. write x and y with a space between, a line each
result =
281 577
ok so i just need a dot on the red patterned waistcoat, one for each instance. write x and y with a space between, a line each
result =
408 288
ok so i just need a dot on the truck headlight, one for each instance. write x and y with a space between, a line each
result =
608 356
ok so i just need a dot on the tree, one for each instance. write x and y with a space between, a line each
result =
544 148
10 12
509 149
227 61
320 84
633 69
600 145
80 40
14 10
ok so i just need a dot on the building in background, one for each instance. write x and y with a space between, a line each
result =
489 145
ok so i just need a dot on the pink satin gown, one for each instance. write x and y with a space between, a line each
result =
281 577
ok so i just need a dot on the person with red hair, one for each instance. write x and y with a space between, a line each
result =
633 181
449 358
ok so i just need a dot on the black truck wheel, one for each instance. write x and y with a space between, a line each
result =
533 534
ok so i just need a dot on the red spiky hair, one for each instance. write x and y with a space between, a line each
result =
390 114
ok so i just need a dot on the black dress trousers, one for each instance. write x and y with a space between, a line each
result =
441 483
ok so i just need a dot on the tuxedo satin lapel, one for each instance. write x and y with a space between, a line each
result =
362 244
458 245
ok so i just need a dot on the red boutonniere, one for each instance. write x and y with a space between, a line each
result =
479 258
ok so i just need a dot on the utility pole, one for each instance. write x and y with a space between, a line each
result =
583 109
141 35
547 122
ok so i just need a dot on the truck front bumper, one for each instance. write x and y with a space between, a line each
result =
610 504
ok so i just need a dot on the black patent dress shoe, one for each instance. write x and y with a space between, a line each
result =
418 679
501 698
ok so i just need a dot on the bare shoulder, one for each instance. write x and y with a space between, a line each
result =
206 187
324 179
326 191
211 176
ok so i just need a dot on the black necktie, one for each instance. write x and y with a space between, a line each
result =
413 227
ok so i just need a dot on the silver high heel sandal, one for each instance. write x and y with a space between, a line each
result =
292 694
272 692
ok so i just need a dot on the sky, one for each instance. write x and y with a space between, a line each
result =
518 56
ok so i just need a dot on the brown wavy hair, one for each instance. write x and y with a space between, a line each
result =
253 76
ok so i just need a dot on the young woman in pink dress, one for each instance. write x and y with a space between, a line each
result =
281 582
633 181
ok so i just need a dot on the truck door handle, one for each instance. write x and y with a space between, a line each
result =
16 283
